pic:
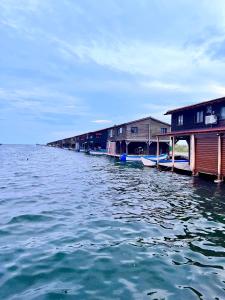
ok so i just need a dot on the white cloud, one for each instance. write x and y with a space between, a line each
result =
40 100
159 85
102 121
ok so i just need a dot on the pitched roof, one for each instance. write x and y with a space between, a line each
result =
208 102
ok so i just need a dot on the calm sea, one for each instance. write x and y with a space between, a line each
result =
74 226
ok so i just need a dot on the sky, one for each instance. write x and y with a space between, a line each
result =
72 66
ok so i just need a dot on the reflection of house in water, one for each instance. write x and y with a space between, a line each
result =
138 137
203 127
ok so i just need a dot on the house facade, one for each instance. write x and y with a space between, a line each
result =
138 137
203 127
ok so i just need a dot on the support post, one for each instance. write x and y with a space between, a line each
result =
219 175
127 144
157 151
173 152
192 155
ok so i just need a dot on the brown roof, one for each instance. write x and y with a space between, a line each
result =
111 127
208 102
193 131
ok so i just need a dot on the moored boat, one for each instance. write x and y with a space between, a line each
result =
98 152
152 160
184 165
181 164
148 162
125 157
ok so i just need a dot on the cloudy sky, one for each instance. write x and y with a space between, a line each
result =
70 66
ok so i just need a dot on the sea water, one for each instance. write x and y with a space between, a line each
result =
75 226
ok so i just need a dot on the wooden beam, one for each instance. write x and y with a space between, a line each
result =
219 171
173 152
192 155
157 151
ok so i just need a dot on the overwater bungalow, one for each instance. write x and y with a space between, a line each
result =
138 137
95 140
202 126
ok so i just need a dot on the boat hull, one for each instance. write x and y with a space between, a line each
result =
97 152
185 166
128 157
148 162
178 164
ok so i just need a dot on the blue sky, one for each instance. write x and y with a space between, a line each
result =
69 66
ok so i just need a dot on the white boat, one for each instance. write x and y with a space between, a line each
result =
96 152
125 157
148 162
181 164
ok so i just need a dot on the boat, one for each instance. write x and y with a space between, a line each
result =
181 164
98 152
83 150
125 157
148 162
184 165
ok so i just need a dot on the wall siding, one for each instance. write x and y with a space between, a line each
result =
223 156
189 118
206 154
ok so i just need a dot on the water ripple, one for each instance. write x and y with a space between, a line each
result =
75 226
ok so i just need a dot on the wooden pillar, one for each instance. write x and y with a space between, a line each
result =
127 143
157 151
219 175
173 152
193 155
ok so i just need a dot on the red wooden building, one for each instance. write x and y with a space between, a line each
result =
203 127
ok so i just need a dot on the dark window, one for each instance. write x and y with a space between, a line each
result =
200 116
163 130
134 130
119 131
209 109
180 120
222 113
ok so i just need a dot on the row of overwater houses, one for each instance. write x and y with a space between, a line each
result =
201 126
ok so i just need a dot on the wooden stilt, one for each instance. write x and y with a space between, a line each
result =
127 143
157 151
219 176
173 152
192 156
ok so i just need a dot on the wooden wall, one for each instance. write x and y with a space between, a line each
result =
147 130
206 153
190 118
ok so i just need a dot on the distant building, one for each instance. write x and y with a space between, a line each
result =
135 137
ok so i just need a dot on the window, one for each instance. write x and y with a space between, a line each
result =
199 116
222 113
163 130
119 131
209 109
134 130
111 133
180 120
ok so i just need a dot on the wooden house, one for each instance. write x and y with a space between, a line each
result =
94 140
202 125
138 137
